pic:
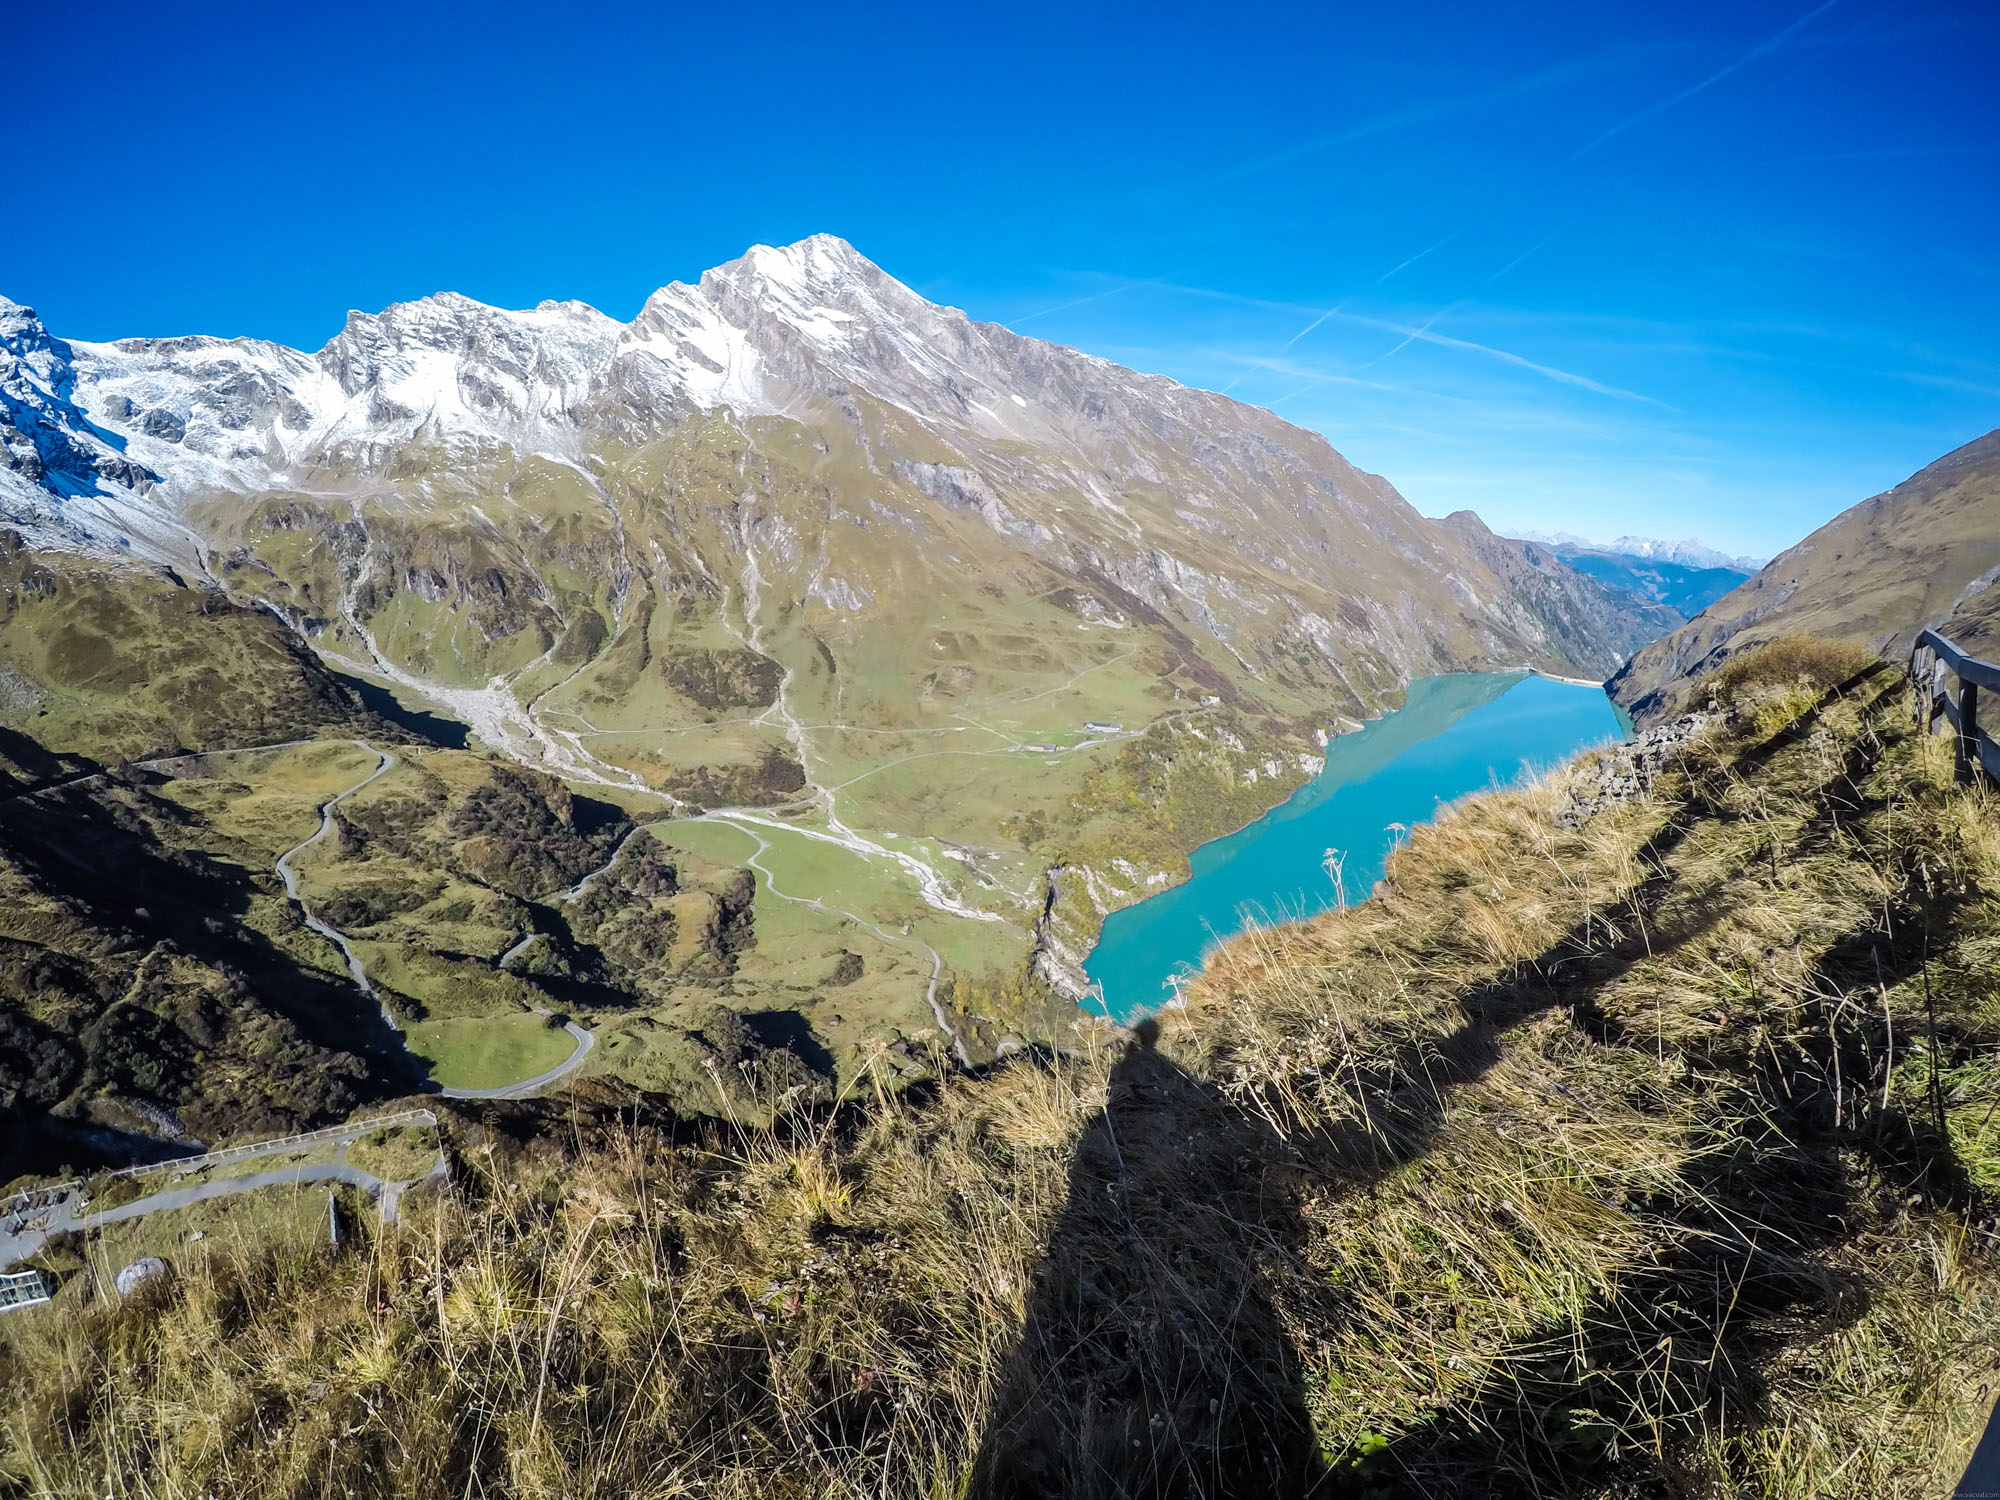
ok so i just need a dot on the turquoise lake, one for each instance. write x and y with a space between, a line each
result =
1467 732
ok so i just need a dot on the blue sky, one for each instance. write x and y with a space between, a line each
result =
1675 269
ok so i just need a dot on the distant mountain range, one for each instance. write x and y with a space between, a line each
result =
1926 553
1689 553
1686 577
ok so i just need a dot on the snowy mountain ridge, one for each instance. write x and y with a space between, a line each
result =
126 433
796 430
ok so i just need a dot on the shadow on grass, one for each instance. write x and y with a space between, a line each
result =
1152 1362
135 1030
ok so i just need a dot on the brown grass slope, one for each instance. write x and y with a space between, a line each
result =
1876 574
1650 1154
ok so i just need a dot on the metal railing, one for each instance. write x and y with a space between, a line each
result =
277 1144
38 1200
1934 663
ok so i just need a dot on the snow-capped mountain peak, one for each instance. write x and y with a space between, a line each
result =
70 477
800 330
1690 553
782 330
449 367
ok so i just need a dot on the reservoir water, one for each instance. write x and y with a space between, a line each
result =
1466 732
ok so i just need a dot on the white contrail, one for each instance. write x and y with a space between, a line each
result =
1438 245
1079 301
1538 245
1290 341
1415 333
1312 325
1714 78
1566 377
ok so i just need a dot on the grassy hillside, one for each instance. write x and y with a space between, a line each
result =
1644 1152
154 982
883 625
1875 575
117 662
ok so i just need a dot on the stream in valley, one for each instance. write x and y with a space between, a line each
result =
1457 734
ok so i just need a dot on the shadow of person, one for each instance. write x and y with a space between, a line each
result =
1152 1362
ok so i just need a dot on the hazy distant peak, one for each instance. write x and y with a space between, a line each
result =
1690 553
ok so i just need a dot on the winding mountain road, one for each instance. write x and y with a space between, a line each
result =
584 1042
937 959
384 763
288 873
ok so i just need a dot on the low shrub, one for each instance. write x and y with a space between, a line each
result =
1809 661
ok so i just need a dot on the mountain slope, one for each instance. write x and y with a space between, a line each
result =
1642 1153
1129 464
1570 600
1876 574
1686 589
839 573
118 661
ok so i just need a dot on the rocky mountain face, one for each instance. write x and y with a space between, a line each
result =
1924 554
1545 587
797 540
1254 534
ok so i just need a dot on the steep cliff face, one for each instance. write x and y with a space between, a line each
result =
1606 623
1925 553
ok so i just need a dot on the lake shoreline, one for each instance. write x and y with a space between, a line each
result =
1456 734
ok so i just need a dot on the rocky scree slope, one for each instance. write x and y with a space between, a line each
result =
1924 554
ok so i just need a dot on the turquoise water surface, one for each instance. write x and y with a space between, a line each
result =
1463 733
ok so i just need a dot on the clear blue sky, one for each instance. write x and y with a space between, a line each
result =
1673 268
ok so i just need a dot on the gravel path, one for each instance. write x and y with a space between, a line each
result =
290 876
584 1042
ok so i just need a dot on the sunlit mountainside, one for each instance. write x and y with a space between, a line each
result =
1926 553
605 820
954 638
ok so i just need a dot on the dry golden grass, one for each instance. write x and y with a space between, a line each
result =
1774 683
1647 1156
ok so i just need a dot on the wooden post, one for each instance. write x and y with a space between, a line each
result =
1966 761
